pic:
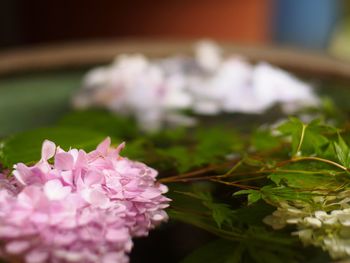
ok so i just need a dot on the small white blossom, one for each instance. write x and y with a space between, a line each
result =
328 230
313 222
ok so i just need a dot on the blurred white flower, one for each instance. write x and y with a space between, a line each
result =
134 86
208 55
155 92
272 85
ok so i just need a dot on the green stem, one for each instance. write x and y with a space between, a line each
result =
313 158
234 184
195 173
301 138
234 168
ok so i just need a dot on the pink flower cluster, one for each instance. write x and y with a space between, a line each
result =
79 207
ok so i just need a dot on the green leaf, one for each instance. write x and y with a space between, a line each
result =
103 122
275 195
263 139
294 127
305 181
253 195
342 151
184 152
314 138
139 149
214 144
179 157
307 139
26 147
221 213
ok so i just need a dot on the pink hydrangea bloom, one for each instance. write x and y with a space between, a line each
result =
81 207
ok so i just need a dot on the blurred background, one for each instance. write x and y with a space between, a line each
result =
37 83
37 99
317 24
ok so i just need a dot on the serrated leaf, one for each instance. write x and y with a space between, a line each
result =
305 180
314 139
221 212
293 127
342 151
275 195
307 138
253 195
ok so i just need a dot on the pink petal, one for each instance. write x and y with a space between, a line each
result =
160 216
163 188
30 196
82 159
114 257
17 247
54 190
98 198
95 198
36 256
69 256
150 193
121 147
104 146
39 218
93 177
64 161
9 231
117 235
22 173
67 177
74 153
65 238
48 150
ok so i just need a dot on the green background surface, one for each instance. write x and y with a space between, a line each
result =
32 100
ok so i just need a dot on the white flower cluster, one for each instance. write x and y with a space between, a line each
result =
155 91
322 226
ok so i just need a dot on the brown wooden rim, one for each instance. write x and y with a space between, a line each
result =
78 54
